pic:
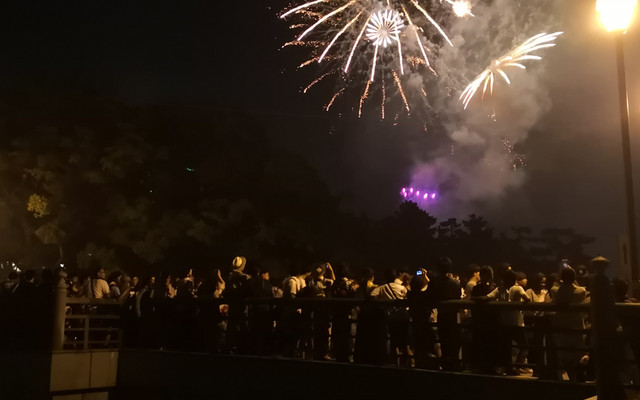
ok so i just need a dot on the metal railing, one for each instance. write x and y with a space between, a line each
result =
234 331
91 324
364 331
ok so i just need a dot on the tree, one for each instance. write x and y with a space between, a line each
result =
407 237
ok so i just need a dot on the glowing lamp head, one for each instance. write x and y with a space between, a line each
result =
616 15
411 190
433 196
426 196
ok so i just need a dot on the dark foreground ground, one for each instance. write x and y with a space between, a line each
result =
169 375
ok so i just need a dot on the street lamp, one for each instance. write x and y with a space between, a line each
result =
616 17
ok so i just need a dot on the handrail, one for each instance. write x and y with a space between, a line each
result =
600 307
91 301
448 304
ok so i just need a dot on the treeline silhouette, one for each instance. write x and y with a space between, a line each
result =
88 182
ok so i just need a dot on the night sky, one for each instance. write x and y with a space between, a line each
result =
227 55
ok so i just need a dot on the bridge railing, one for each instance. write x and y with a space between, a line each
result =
350 330
91 324
329 328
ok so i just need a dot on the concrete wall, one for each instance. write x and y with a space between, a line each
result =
58 375
169 375
24 375
83 370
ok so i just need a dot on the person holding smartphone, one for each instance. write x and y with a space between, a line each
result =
420 309
445 287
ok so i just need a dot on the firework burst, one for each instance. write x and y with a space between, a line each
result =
511 59
461 8
383 29
384 38
418 195
516 160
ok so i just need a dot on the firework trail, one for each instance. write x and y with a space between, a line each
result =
344 34
511 59
399 85
384 98
433 22
364 96
335 96
318 79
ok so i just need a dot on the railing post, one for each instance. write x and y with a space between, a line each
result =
59 307
604 326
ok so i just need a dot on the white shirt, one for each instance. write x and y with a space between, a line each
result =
293 285
518 295
99 288
515 294
391 291
469 288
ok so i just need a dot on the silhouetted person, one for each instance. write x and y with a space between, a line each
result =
10 283
568 292
294 284
96 286
518 294
474 277
485 327
537 291
28 300
367 283
371 332
209 316
420 309
261 315
237 289
289 316
345 287
507 320
397 316
25 289
148 304
445 287
75 286
184 315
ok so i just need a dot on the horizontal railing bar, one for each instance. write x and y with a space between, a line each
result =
82 391
105 329
92 316
92 301
448 304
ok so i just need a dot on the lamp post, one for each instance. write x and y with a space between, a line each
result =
616 16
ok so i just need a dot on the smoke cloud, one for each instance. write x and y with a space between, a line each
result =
479 159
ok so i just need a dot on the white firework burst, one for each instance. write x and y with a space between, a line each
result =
346 35
511 59
461 8
384 27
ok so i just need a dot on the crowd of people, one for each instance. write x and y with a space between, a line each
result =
211 313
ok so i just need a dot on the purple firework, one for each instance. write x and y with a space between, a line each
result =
415 194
